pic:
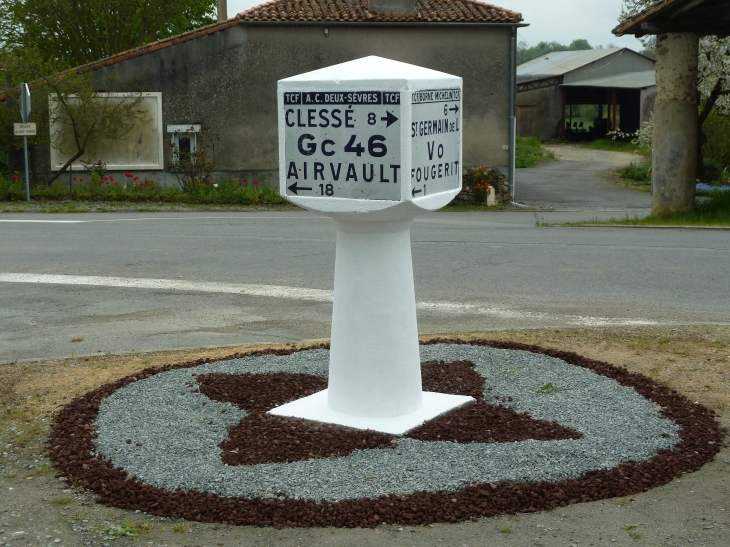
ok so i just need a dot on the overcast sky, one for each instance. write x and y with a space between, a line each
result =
559 20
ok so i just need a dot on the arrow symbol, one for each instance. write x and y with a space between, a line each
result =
414 192
455 109
295 189
389 118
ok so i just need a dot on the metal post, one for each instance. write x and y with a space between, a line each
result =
613 99
25 107
512 109
27 176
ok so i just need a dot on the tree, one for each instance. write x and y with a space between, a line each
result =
580 44
80 114
76 32
68 102
526 53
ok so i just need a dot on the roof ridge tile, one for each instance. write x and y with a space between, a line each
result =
471 11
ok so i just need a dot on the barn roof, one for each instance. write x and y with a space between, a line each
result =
562 62
629 80
703 17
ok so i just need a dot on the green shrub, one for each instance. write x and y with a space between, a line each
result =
4 163
529 152
636 172
11 188
717 148
132 189
480 182
713 170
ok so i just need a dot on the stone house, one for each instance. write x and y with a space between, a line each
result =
223 76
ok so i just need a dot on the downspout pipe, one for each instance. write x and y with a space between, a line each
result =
512 110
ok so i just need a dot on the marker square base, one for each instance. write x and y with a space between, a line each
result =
315 408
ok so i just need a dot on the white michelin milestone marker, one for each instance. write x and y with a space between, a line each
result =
372 143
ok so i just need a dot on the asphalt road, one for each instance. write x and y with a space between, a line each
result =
579 181
473 271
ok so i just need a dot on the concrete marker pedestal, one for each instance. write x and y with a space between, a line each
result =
372 143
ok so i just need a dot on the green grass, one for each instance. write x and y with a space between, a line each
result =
544 390
637 176
714 211
613 145
636 172
470 207
181 527
529 152
224 192
127 528
64 500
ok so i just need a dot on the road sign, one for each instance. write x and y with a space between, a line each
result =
436 138
343 144
370 134
372 143
24 102
24 129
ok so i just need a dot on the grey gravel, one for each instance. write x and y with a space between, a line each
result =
175 432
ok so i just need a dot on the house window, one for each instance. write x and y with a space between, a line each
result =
184 140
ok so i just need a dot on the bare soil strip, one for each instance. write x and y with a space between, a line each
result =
694 360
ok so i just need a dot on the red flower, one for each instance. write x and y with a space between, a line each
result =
16 178
255 181
136 178
128 174
116 183
74 178
81 180
245 179
111 178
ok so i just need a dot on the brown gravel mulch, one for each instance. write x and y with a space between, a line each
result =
263 438
71 445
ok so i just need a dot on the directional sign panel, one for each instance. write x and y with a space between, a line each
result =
343 144
436 141
24 129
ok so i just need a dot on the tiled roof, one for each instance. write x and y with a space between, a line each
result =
348 11
293 11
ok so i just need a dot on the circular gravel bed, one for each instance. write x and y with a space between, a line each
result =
550 428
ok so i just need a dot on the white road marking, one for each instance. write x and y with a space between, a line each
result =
251 217
46 221
312 295
270 291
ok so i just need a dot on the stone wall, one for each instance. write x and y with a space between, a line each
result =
226 81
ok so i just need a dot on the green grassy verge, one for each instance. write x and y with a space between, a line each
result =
473 207
224 192
90 206
636 176
714 211
529 152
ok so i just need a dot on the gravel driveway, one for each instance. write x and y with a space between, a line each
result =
579 180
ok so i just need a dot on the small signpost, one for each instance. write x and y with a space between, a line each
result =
25 129
372 143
